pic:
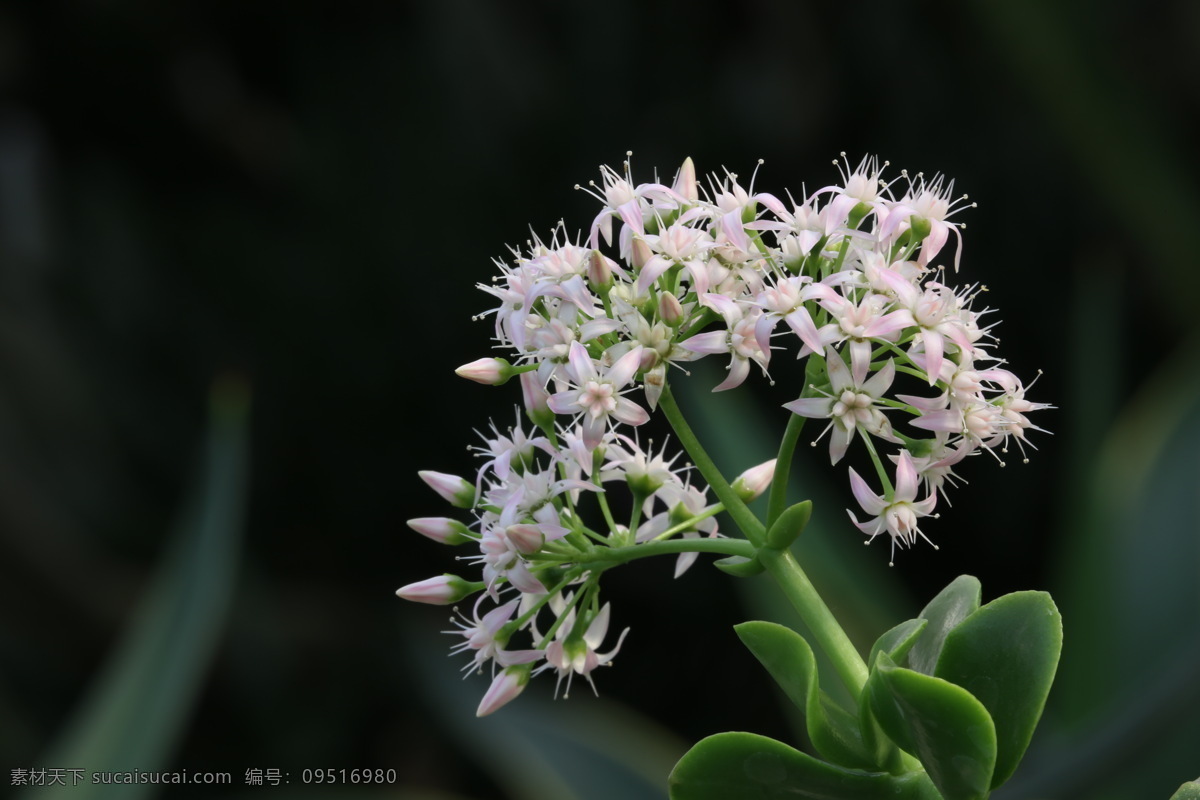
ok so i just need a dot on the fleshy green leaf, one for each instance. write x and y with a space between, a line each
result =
940 723
789 658
789 526
1005 654
1189 791
897 641
739 567
951 606
746 766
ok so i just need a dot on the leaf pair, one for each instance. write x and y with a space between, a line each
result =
960 688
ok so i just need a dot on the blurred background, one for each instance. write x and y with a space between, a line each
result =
238 249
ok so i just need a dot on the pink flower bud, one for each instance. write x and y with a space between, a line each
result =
504 688
685 181
526 538
641 252
669 309
537 400
442 529
754 481
440 591
599 272
488 371
452 488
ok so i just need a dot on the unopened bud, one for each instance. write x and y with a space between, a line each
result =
641 252
488 371
599 272
527 539
537 405
504 689
685 181
454 489
442 529
754 481
440 591
669 309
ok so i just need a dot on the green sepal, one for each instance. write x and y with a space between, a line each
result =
1006 654
747 766
941 723
790 661
897 641
951 606
739 567
788 527
1189 791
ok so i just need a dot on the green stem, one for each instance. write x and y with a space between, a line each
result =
742 516
777 499
690 523
847 662
623 555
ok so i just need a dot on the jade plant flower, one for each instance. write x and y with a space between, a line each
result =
889 357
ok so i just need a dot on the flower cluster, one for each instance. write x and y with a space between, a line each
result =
668 274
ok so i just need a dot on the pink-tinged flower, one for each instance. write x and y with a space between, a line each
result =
442 529
481 637
746 338
596 397
573 653
504 689
925 208
897 515
754 481
453 489
488 371
851 403
861 187
937 313
440 591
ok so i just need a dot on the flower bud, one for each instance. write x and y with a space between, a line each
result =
488 371
641 252
537 405
685 181
504 689
526 538
440 591
669 310
442 529
754 481
599 272
456 491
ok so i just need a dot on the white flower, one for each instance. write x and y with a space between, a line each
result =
851 404
597 396
897 515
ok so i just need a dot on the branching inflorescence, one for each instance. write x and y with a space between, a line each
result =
672 274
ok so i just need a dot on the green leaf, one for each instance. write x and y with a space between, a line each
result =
787 656
142 699
789 526
1189 791
940 723
897 641
951 606
746 766
1006 654
740 567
